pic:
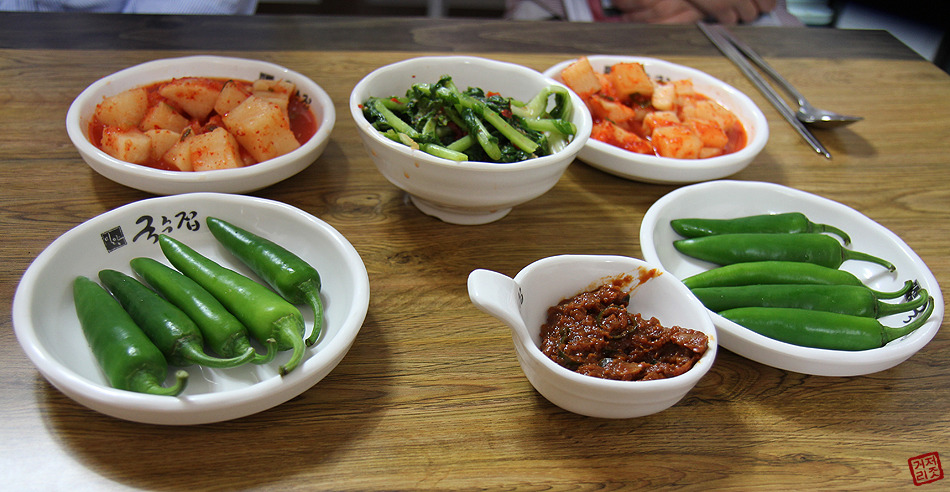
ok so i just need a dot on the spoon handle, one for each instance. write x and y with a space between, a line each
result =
761 63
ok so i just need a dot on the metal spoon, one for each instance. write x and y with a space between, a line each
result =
822 118
806 113
721 38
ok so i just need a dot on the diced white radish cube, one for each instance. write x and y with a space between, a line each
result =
581 78
657 119
179 156
710 132
709 110
195 96
124 109
162 141
230 96
215 150
163 116
629 79
271 85
126 144
664 95
676 141
281 99
261 128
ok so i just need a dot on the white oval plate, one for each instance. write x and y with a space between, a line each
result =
729 199
46 326
665 170
162 182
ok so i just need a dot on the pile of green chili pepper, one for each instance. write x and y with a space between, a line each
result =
265 314
779 276
128 358
169 328
224 333
288 274
168 317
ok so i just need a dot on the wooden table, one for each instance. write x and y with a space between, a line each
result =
431 396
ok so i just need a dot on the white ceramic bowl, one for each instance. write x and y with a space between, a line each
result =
730 199
463 192
522 303
160 182
664 170
46 326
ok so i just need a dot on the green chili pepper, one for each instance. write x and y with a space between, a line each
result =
845 299
128 358
169 328
288 274
823 330
265 314
223 332
781 272
792 222
727 249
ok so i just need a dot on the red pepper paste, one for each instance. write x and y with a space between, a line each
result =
594 334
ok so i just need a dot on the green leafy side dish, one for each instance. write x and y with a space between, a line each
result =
474 125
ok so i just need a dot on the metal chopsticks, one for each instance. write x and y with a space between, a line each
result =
723 40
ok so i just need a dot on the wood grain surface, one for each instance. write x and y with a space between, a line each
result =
431 395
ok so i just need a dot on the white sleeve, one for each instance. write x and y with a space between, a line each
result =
578 11
244 7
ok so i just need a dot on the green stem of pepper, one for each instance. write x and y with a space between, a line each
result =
823 330
292 277
223 332
265 314
129 360
172 331
726 249
845 299
782 272
791 222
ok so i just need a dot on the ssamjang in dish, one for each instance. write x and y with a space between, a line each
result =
201 123
593 333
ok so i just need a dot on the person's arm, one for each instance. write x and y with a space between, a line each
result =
734 11
658 11
689 11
